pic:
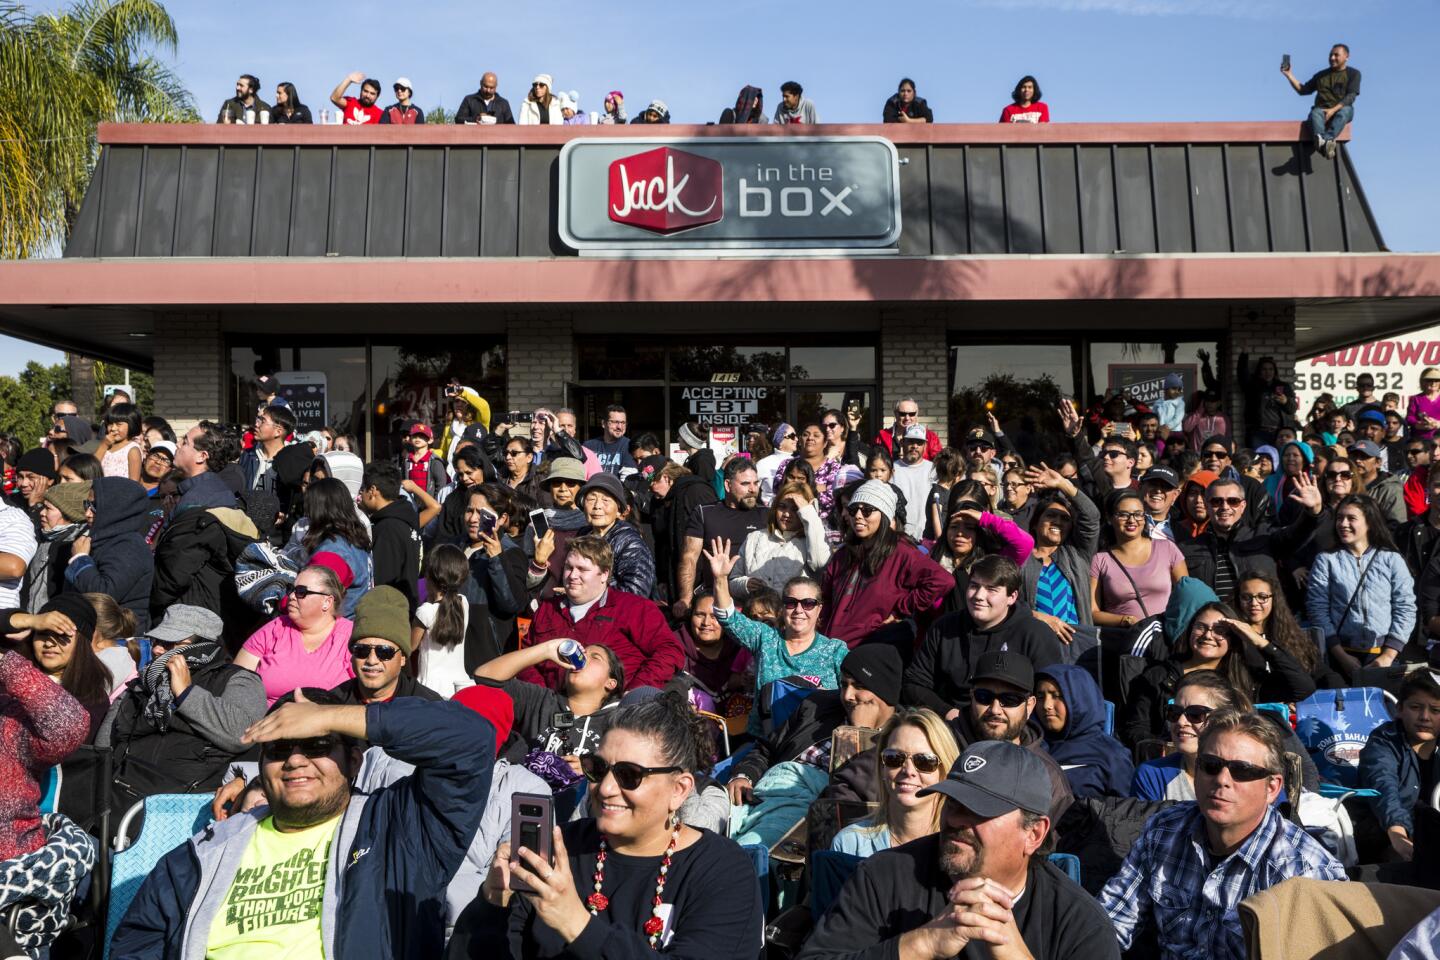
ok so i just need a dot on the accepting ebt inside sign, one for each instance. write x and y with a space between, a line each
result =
736 193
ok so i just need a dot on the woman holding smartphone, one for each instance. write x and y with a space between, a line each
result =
631 878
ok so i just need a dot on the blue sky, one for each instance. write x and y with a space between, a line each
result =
1097 60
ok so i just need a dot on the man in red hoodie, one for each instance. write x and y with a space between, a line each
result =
591 611
907 414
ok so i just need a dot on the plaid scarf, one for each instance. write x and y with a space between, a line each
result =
155 681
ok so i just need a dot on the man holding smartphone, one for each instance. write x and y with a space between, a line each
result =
1335 91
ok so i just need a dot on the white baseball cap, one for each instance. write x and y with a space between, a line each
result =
404 82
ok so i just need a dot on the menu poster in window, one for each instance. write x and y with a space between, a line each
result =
724 441
1145 382
304 391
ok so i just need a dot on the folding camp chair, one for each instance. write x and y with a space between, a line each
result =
1335 724
170 820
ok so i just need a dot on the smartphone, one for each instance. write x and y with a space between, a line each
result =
532 826
487 522
539 523
1285 62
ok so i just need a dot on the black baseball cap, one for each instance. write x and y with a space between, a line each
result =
1162 475
993 777
1003 665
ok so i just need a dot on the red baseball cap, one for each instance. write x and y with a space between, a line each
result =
422 428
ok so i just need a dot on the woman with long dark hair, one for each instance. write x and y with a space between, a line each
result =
334 526
69 658
1131 578
877 577
289 109
1266 612
1026 105
841 442
825 469
633 877
972 532
1361 595
440 623
905 107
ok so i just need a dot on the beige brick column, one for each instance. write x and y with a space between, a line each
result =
1260 330
915 362
190 369
540 359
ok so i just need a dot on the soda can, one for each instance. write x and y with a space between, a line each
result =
573 653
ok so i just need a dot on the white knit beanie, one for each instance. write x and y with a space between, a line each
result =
877 494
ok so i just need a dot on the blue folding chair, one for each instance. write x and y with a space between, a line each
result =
50 790
782 698
1335 724
170 820
1067 862
1109 727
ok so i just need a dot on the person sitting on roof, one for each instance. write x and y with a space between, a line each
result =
1335 91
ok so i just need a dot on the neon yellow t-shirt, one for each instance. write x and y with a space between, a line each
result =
272 910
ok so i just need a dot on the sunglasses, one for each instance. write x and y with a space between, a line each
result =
924 762
1414 451
1007 700
1240 771
804 603
362 651
1338 474
313 748
87 505
831 426
300 591
979 445
1226 501
514 453
628 775
1112 454
907 413
1195 713
861 510
789 436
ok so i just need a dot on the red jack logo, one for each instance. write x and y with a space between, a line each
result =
666 191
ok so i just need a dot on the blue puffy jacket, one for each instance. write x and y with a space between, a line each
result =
391 860
1383 611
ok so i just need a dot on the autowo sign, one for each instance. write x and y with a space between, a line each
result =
702 193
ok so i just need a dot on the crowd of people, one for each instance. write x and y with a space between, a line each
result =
940 664
1335 89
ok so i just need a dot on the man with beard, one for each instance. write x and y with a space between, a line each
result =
981 887
914 475
269 881
247 90
732 519
355 111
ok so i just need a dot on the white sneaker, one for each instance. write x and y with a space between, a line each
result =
1330 149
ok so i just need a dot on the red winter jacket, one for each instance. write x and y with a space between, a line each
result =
631 626
909 584
886 439
40 725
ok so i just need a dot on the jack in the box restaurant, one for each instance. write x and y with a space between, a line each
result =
707 276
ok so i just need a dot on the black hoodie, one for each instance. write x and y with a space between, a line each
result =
395 532
939 676
119 563
671 516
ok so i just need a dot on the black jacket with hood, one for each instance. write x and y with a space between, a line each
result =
395 532
195 556
939 676
119 563
670 518
814 720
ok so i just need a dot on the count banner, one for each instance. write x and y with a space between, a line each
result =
716 193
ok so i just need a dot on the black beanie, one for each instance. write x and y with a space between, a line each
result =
77 608
39 462
876 667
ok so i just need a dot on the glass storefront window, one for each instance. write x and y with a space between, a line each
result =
832 363
1108 361
747 364
1020 384
409 383
619 358
644 409
810 404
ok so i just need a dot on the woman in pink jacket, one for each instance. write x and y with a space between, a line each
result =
1423 412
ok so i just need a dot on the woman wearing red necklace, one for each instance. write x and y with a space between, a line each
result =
632 878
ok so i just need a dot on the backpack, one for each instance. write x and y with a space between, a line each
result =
263 576
1327 820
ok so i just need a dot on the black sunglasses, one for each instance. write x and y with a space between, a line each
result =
301 591
313 748
805 603
1220 454
628 775
1222 501
861 510
87 505
924 762
1338 474
1196 713
1007 700
362 651
1240 771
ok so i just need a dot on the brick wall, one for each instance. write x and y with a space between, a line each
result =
914 362
1260 330
190 369
539 362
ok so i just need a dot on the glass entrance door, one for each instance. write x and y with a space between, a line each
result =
807 403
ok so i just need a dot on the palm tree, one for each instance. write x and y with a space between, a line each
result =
60 75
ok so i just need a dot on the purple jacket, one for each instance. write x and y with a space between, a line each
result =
1421 405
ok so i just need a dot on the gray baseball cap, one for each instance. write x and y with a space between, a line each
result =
993 777
183 621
